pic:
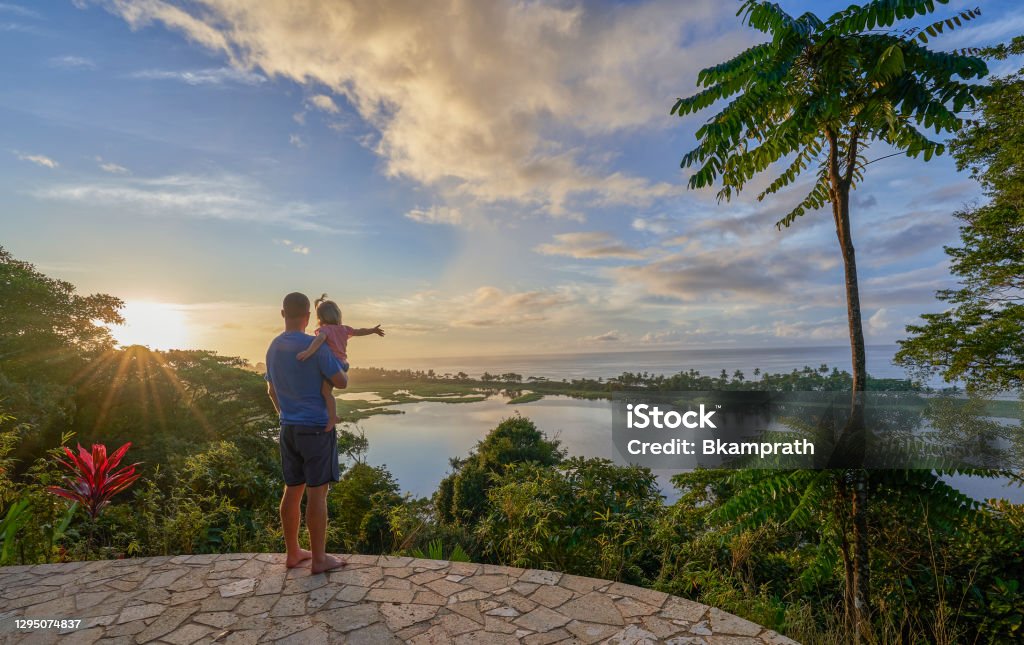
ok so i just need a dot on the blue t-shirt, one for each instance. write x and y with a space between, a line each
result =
298 383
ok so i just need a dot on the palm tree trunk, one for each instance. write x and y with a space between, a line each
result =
851 445
849 604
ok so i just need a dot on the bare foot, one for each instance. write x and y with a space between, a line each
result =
329 562
303 557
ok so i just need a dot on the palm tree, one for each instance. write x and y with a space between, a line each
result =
815 96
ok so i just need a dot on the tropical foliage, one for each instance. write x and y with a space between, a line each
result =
96 478
977 339
814 97
462 496
587 516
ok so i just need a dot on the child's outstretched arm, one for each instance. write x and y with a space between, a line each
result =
315 345
366 331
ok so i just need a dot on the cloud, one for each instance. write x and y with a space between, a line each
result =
705 276
18 10
295 248
975 34
71 62
224 197
212 76
589 245
879 321
863 201
496 102
325 103
951 195
885 246
611 336
678 240
912 287
17 26
831 329
663 337
484 308
39 160
111 167
659 224
297 141
436 215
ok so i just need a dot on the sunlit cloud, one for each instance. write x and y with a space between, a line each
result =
485 307
831 329
612 336
325 103
658 224
111 167
667 336
449 113
39 160
494 307
879 321
436 215
702 277
589 245
293 247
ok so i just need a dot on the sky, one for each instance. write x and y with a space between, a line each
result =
480 178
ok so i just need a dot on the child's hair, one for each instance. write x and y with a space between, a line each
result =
327 311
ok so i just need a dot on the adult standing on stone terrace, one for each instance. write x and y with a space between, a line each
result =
309 446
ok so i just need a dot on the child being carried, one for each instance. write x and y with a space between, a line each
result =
336 335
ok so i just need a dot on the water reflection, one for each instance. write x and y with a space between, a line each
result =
416 446
371 397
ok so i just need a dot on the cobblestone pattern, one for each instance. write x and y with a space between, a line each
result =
250 598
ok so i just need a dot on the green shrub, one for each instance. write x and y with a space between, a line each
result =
583 516
462 495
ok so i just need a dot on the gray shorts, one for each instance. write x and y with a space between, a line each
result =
309 455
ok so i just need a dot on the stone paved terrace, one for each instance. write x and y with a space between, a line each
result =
253 598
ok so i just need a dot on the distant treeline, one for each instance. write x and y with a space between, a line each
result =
822 378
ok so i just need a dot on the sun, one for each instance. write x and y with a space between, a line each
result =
157 325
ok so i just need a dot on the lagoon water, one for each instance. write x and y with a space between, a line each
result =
417 445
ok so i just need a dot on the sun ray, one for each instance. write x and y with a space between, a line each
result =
114 389
176 384
38 355
92 369
154 395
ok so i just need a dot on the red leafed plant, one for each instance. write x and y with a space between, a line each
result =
95 479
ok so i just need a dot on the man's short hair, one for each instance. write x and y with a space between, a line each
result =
296 305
